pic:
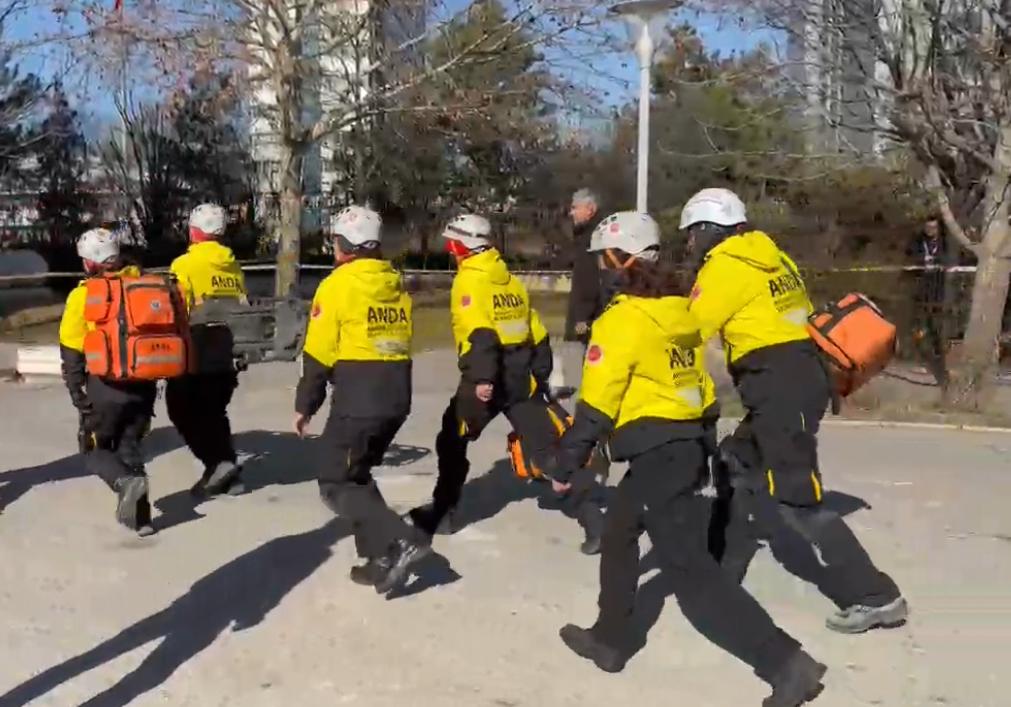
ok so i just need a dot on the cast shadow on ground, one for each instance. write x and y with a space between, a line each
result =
486 496
16 483
270 458
236 596
792 553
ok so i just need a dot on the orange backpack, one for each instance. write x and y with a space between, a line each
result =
525 468
856 339
140 328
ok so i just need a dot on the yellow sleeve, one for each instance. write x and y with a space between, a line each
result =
721 290
73 327
608 366
323 334
538 332
469 310
179 269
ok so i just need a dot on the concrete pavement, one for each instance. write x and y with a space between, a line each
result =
246 601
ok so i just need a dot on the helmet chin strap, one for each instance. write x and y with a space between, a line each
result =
618 265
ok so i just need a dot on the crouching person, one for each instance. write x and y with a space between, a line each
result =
644 385
359 340
115 415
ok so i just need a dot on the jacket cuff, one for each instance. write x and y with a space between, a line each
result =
577 444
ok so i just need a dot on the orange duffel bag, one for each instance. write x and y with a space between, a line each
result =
525 468
856 339
139 328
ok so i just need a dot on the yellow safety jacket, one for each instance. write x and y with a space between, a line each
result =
750 292
640 379
499 338
359 338
208 270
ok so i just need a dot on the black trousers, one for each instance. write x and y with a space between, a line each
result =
773 486
198 407
347 451
930 338
463 421
121 417
658 494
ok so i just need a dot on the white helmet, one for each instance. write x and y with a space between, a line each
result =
631 232
99 245
357 225
720 206
210 219
469 229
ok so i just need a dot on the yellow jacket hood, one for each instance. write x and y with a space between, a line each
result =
213 252
489 264
754 248
374 276
670 314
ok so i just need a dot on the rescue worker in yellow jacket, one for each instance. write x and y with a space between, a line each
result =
505 361
750 293
198 403
645 386
115 415
359 341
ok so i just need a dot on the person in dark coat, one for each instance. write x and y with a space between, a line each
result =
931 250
586 301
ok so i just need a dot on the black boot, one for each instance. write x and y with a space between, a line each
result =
425 519
585 644
130 491
797 682
222 477
370 573
402 555
593 526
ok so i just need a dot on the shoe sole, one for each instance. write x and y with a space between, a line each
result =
126 506
894 619
398 573
218 481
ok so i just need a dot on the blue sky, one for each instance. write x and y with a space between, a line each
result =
613 77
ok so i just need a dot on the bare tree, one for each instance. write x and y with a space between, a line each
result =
933 78
315 69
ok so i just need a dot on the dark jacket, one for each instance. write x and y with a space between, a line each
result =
935 255
584 299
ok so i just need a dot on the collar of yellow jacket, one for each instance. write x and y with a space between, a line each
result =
489 263
366 265
754 247
213 249
666 312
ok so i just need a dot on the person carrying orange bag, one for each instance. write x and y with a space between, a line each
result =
115 410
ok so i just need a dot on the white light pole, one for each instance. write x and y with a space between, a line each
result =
644 20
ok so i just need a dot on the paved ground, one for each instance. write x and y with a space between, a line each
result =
246 602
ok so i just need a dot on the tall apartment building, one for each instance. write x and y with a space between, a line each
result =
341 67
835 73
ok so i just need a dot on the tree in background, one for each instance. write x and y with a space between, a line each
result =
61 172
20 97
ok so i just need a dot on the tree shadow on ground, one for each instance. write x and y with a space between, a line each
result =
237 595
270 459
16 483
794 554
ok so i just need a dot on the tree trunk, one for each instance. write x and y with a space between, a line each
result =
290 226
974 375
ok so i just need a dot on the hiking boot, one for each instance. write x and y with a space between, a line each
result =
402 555
585 644
371 572
221 478
130 490
423 518
859 618
797 682
590 546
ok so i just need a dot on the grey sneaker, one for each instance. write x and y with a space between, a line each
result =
130 491
859 618
221 477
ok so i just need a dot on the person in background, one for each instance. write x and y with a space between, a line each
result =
585 299
115 415
359 341
931 251
198 403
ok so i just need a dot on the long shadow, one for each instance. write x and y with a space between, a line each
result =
16 483
237 595
797 557
271 459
